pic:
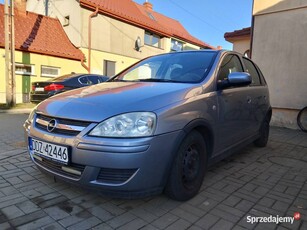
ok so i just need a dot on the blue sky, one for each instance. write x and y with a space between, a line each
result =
206 19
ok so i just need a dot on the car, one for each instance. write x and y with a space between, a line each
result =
155 127
45 89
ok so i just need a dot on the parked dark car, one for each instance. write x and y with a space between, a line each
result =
44 89
157 126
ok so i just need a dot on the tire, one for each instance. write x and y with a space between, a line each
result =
264 133
302 119
188 169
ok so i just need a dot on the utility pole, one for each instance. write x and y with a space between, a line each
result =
7 53
9 36
13 76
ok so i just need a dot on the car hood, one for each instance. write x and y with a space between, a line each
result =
98 102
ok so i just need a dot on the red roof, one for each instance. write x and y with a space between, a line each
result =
237 34
40 34
138 15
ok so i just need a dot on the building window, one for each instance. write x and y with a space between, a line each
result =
24 69
49 71
66 21
109 68
152 40
176 45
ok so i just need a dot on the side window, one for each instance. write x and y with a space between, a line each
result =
230 64
251 69
94 79
84 81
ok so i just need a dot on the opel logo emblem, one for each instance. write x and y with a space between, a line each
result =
51 125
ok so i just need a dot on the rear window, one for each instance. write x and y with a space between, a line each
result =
64 77
185 67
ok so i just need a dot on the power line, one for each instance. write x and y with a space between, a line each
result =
195 16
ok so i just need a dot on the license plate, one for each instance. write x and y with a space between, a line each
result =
39 89
50 151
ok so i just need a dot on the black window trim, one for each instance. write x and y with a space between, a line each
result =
262 82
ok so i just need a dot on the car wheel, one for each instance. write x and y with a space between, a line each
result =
188 169
264 133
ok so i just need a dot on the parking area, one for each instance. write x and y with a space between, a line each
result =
256 182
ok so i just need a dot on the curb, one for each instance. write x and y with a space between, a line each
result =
15 111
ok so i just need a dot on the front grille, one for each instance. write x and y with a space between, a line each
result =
115 176
57 167
64 126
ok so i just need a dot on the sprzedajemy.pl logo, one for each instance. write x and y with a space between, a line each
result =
273 219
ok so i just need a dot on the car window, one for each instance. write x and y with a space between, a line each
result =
230 64
94 79
251 69
84 80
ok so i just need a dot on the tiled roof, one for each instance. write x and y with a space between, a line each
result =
245 32
40 34
138 15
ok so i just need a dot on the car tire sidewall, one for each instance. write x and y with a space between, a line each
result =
176 188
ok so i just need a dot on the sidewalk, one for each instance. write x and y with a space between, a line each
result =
255 182
18 109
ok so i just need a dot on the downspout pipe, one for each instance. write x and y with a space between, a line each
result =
89 48
94 14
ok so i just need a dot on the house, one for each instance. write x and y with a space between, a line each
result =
240 40
279 48
114 34
43 50
278 45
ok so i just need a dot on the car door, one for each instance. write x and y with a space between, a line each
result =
233 106
258 95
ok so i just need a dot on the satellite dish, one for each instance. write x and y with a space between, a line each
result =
138 44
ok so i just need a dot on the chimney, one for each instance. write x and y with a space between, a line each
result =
147 5
21 6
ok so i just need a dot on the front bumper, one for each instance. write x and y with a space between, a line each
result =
131 167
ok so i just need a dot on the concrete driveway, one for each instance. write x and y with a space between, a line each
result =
256 182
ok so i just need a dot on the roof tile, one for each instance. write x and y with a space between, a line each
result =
136 14
40 34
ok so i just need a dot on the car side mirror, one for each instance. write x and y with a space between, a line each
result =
236 79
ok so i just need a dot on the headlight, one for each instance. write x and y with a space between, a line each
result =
31 115
138 124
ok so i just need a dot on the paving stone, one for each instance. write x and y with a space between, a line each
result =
280 206
245 205
102 226
134 224
121 220
27 207
164 221
207 221
85 224
100 213
185 215
222 225
232 201
267 202
22 220
56 213
225 215
6 226
179 225
37 223
52 226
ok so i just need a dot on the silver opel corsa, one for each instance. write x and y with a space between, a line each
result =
154 127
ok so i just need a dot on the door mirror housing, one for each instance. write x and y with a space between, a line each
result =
236 79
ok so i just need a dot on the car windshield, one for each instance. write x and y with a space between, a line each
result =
185 67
